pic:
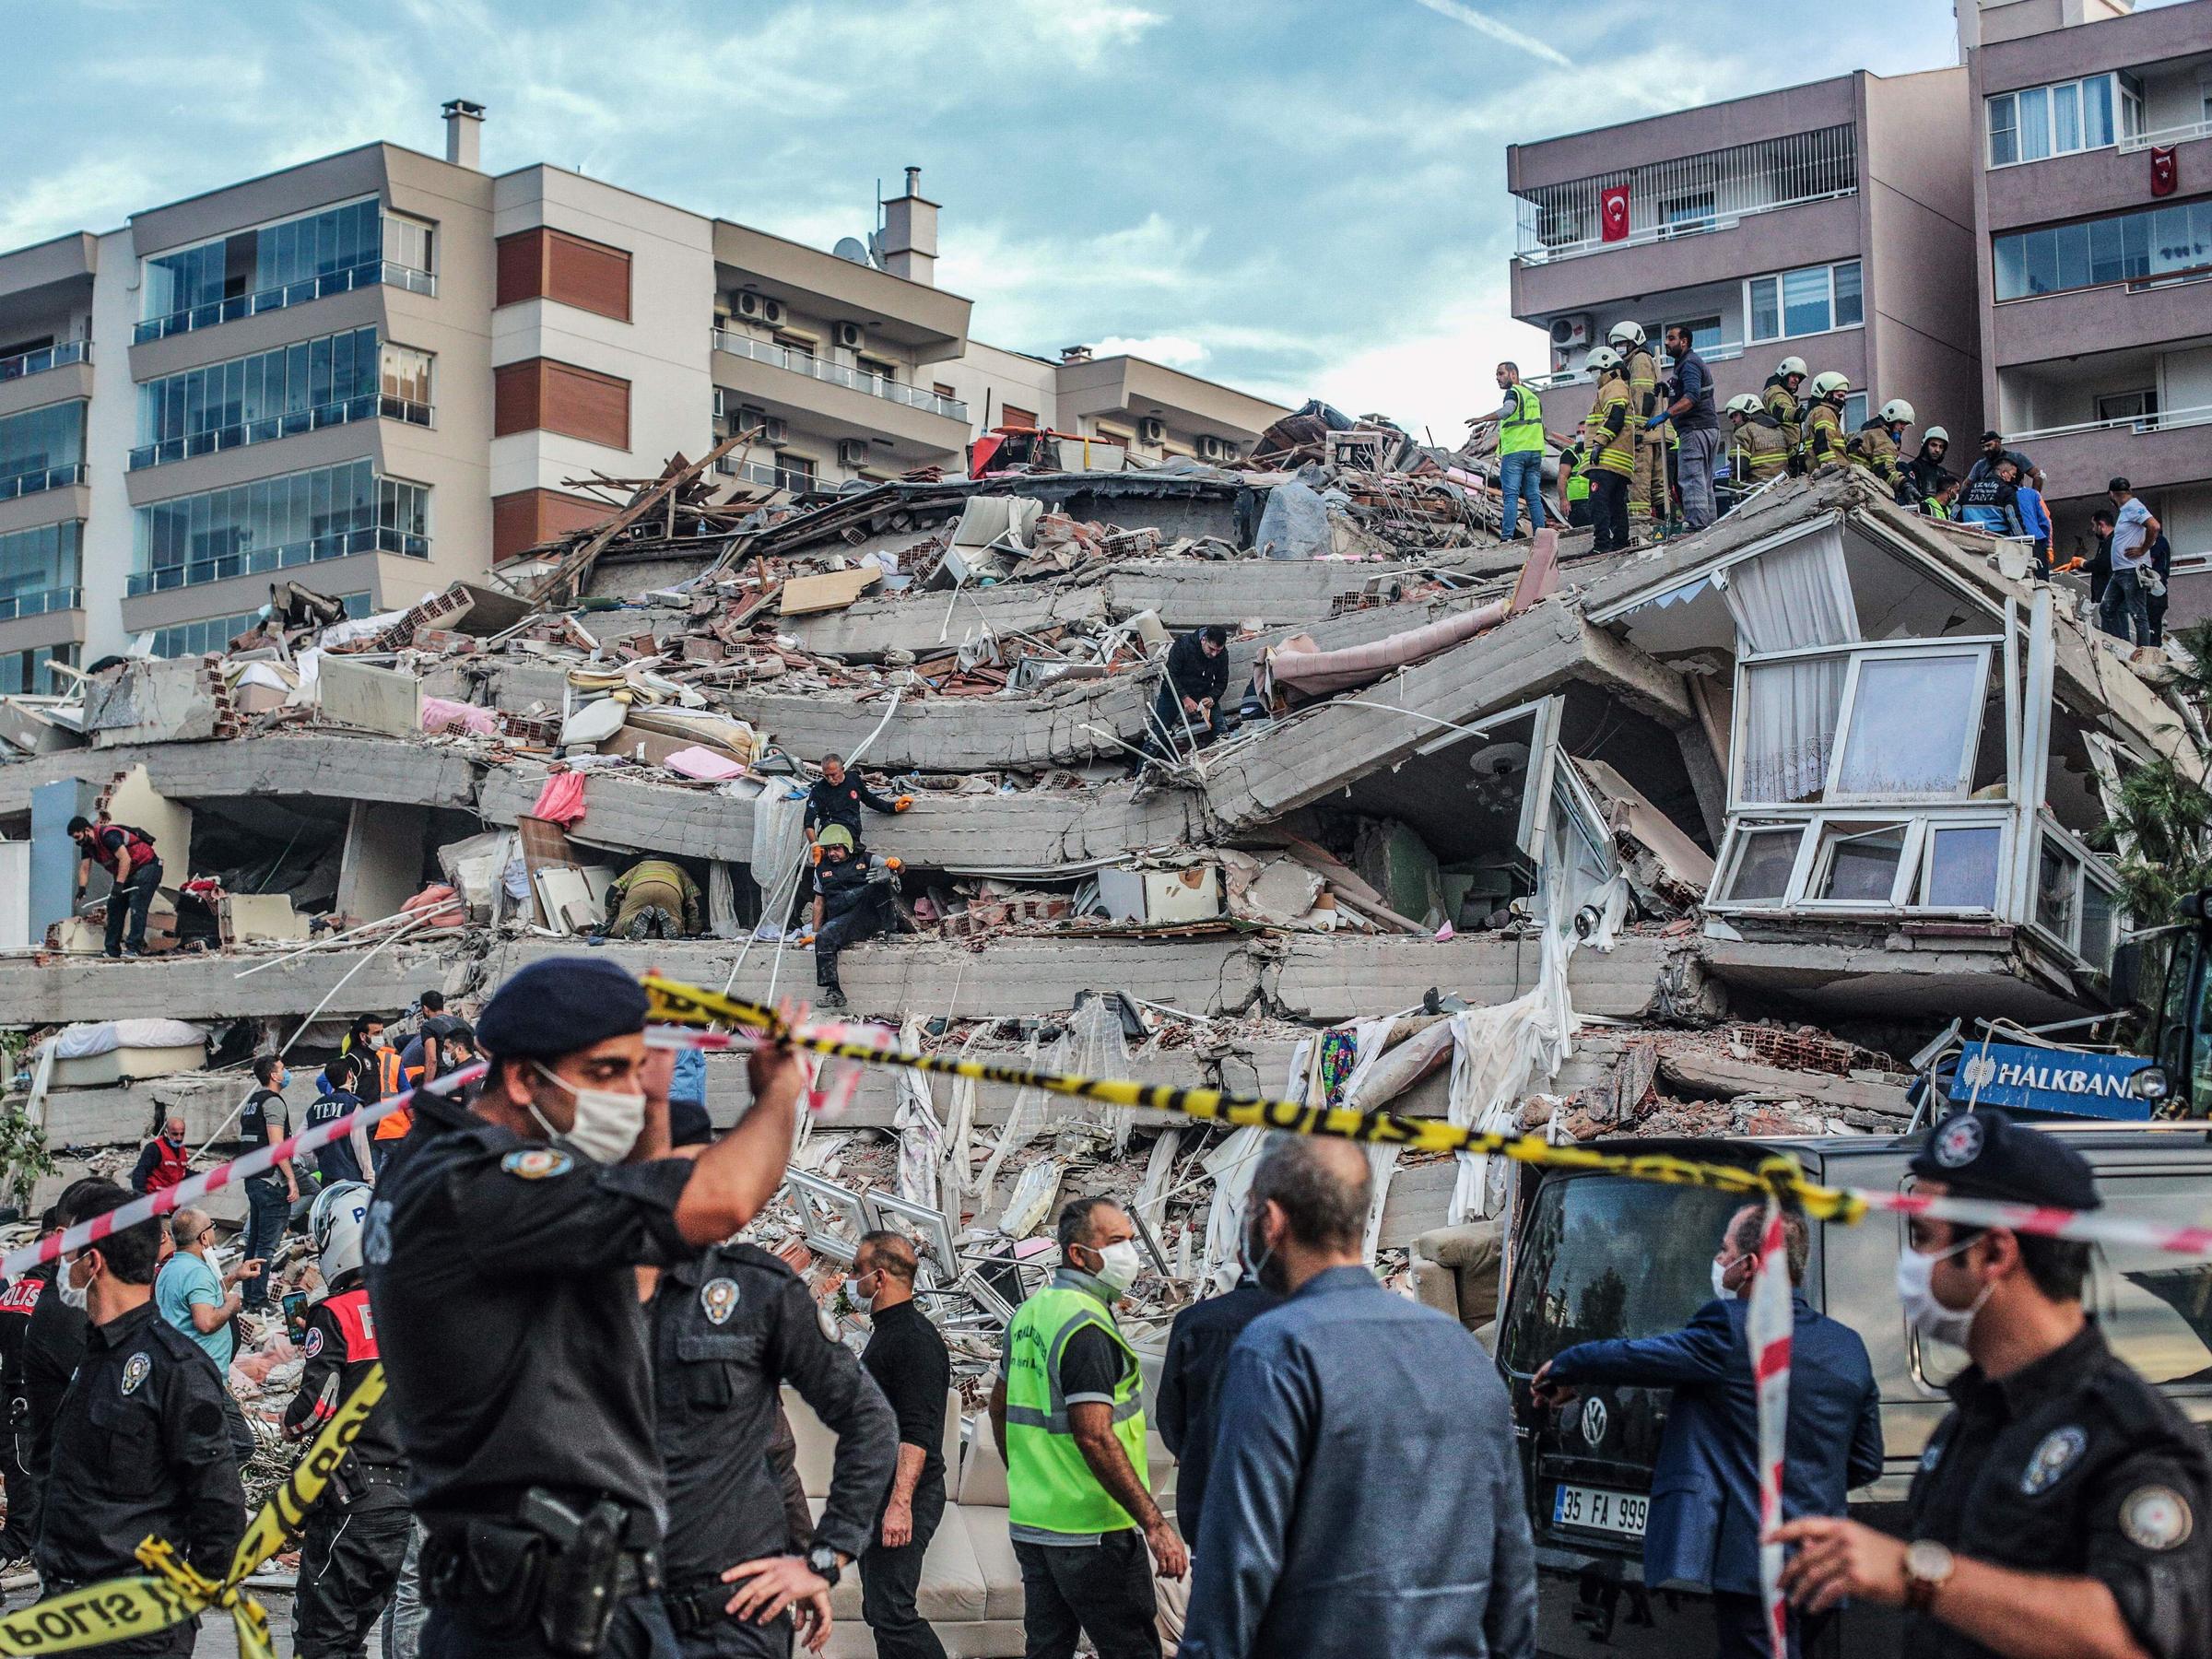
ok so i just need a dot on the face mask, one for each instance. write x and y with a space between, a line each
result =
1260 1260
607 1121
1720 1289
72 1294
1916 1295
1118 1267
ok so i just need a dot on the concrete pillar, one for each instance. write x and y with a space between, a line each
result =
53 856
382 866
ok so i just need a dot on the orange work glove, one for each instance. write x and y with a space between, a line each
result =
813 853
894 864
903 802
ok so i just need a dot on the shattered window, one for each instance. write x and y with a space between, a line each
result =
1764 863
1962 866
2058 873
2099 927
1913 719
1858 865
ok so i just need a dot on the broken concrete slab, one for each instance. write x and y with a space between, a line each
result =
209 987
959 733
373 699
874 626
1891 976
153 700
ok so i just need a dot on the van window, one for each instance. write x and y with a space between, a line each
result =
1605 1257
2157 1308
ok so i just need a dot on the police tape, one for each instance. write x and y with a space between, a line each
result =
173 1590
674 1002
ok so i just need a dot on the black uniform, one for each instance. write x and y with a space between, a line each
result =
140 1449
857 905
356 1535
828 802
54 1345
728 1327
500 1270
908 1358
15 1308
1193 674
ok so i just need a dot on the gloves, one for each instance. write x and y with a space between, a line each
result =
894 864
903 802
813 853
1655 421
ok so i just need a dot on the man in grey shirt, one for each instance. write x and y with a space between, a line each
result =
1696 424
1364 1497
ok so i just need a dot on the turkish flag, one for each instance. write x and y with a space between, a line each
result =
1613 212
2165 173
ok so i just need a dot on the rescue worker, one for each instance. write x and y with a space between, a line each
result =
1574 482
2060 1508
1943 503
1758 450
1187 707
836 798
381 1075
140 1445
499 1253
657 899
164 1160
726 1329
129 857
852 903
1612 443
1824 439
357 1534
1650 500
1520 451
1925 473
1877 445
1778 397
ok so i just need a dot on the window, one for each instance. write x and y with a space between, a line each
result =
275 523
1685 214
407 242
273 394
1704 333
197 639
329 251
2155 1308
2127 247
2061 120
1909 721
404 384
42 449
1962 866
2127 405
793 472
1942 859
26 672
1766 857
1858 863
39 570
1808 302
2075 901
876 367
942 390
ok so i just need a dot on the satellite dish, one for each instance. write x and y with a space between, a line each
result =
854 249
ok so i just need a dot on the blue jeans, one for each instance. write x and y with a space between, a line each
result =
1522 475
269 1210
2125 606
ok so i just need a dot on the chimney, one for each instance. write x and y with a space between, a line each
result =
910 233
1075 354
464 134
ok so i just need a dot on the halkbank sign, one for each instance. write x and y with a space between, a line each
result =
2040 1079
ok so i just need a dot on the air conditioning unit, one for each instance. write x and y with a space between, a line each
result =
1211 448
852 451
748 306
1151 430
771 311
775 433
850 336
1570 333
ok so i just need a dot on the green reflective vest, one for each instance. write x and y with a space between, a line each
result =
1575 462
1048 1484
1522 430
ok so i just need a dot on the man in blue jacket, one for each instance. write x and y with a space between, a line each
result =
1703 1527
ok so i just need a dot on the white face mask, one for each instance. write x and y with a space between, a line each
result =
72 1294
1916 1295
1118 1267
1720 1291
607 1121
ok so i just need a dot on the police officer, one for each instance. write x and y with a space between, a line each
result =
2061 1507
356 1535
140 1445
499 1254
727 1328
53 1345
836 798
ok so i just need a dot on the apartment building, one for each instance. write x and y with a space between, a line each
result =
1831 221
382 371
2093 212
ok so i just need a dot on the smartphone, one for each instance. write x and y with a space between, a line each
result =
295 1311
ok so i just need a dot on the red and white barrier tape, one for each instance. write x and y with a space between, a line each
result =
1767 1328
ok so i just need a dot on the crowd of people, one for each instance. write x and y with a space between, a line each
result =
581 1450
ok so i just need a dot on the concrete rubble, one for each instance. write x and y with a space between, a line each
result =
1654 843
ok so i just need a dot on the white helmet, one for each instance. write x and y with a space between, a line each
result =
1935 435
1744 404
1630 332
1831 385
1789 366
1896 412
335 1224
1601 359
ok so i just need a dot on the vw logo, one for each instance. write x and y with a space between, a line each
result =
1593 1420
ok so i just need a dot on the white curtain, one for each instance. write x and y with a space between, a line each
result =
1795 596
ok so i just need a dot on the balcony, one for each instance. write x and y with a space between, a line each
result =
51 477
2166 137
1726 352
2153 452
766 476
258 561
271 427
835 374
46 356
385 272
15 605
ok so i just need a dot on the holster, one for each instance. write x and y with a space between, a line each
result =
550 1571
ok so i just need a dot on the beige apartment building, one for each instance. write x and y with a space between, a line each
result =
382 371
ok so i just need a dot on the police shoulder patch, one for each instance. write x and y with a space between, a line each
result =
2053 1456
2156 1517
135 1370
537 1163
313 1344
1959 1141
718 1298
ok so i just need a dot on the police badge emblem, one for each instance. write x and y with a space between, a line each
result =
2156 1517
2053 1456
135 1370
719 1299
1959 1141
313 1344
537 1163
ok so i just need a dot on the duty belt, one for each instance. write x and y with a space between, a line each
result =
697 1607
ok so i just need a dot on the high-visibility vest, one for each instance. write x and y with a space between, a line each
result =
1578 473
1782 403
1048 1484
1521 433
1614 455
389 1082
1823 434
1757 451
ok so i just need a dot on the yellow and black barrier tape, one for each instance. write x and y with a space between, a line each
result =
171 1590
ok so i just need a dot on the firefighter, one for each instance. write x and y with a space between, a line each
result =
1876 445
1610 438
1824 439
1757 449
1780 398
1649 500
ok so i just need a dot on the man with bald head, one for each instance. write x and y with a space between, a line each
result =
201 1298
912 1364
1408 1536
162 1161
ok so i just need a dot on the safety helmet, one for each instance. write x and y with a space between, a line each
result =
835 835
1630 332
1896 412
1789 366
1744 404
335 1224
1601 359
1935 435
1831 385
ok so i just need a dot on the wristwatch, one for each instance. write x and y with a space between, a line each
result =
821 1561
1928 1567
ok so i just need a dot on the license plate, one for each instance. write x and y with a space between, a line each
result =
1595 1510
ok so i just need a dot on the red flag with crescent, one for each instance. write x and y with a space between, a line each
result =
1613 213
2165 171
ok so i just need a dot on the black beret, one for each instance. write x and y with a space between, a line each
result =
558 1005
688 1124
1983 1154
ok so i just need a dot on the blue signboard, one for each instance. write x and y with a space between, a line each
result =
2040 1079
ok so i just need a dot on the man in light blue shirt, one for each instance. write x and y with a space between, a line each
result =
193 1296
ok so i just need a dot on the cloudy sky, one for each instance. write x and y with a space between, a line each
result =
1298 196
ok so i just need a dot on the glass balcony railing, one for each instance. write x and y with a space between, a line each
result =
766 476
837 375
51 478
230 310
39 602
369 406
58 356
256 562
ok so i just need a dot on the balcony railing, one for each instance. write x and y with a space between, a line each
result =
38 604
2163 420
2163 136
58 356
369 406
51 478
837 375
1726 352
1689 196
256 562
766 476
215 312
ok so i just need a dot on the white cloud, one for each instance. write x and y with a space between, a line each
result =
1175 350
1504 32
97 194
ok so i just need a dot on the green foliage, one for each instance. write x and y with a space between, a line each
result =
23 1157
2165 820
